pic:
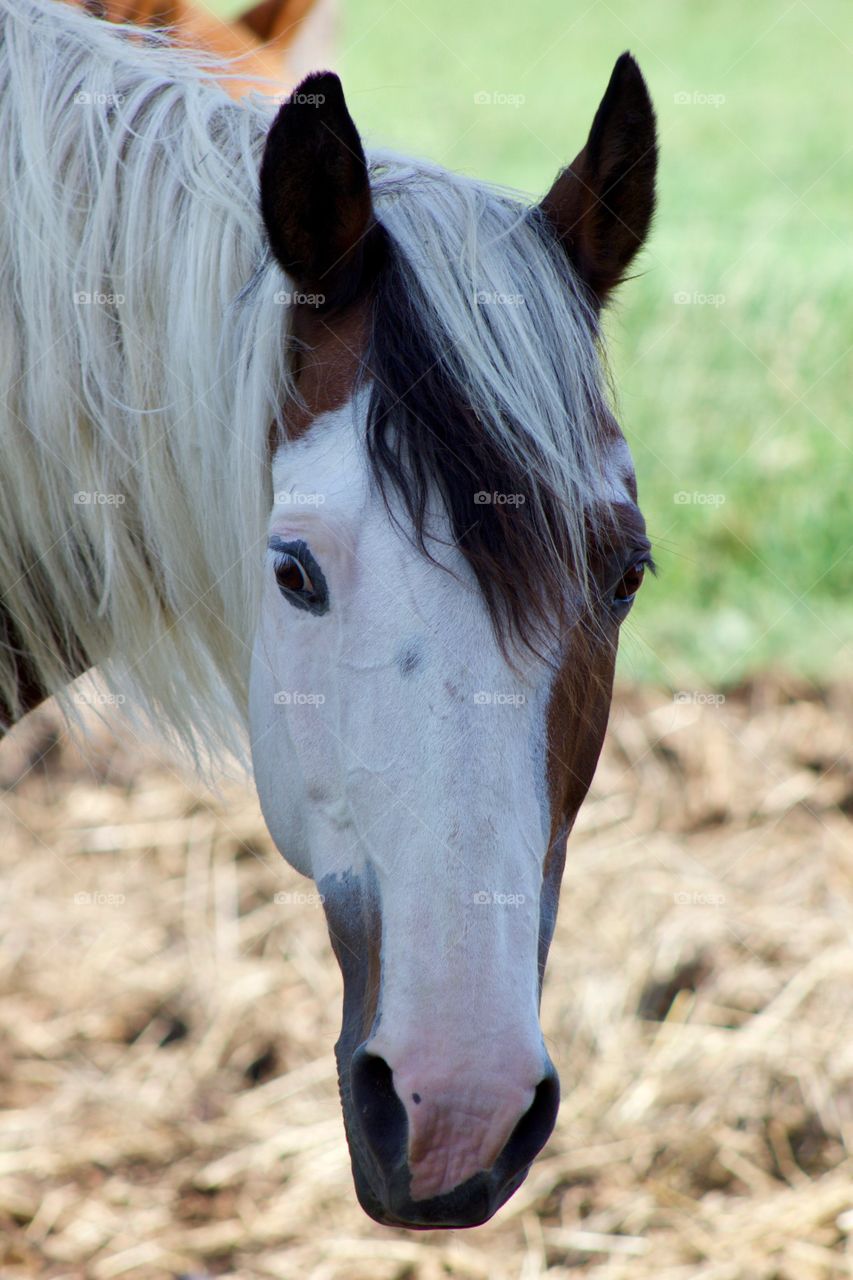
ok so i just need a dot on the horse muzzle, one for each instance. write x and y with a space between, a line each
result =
395 1189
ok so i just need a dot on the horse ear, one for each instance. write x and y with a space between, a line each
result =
602 205
315 192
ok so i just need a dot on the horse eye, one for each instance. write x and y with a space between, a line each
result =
630 582
291 575
298 576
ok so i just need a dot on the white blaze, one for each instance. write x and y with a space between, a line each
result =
392 731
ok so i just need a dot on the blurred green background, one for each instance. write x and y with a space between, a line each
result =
732 350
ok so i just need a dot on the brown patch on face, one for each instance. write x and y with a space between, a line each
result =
577 720
327 363
582 692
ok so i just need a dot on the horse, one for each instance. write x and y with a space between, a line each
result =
265 46
311 456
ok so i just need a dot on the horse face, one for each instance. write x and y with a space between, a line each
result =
423 771
401 763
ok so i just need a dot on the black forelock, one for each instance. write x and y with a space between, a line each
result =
424 438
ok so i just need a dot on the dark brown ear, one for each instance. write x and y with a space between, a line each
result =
602 205
315 193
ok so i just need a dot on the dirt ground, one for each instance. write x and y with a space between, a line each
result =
169 1003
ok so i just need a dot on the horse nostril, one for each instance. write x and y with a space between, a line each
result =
379 1109
534 1128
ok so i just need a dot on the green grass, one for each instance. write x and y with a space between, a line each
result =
749 399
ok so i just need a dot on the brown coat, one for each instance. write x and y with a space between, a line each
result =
262 37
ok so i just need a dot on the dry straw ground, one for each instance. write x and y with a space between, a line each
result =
166 1025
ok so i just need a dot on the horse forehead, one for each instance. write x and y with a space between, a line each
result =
320 482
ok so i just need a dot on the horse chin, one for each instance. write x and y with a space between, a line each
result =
471 1204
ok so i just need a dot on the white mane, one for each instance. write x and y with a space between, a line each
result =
129 178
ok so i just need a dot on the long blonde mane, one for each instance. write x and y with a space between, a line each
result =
137 385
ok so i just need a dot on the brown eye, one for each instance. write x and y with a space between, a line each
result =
630 582
298 576
291 576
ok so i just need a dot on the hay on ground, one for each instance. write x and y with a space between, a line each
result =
169 1003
